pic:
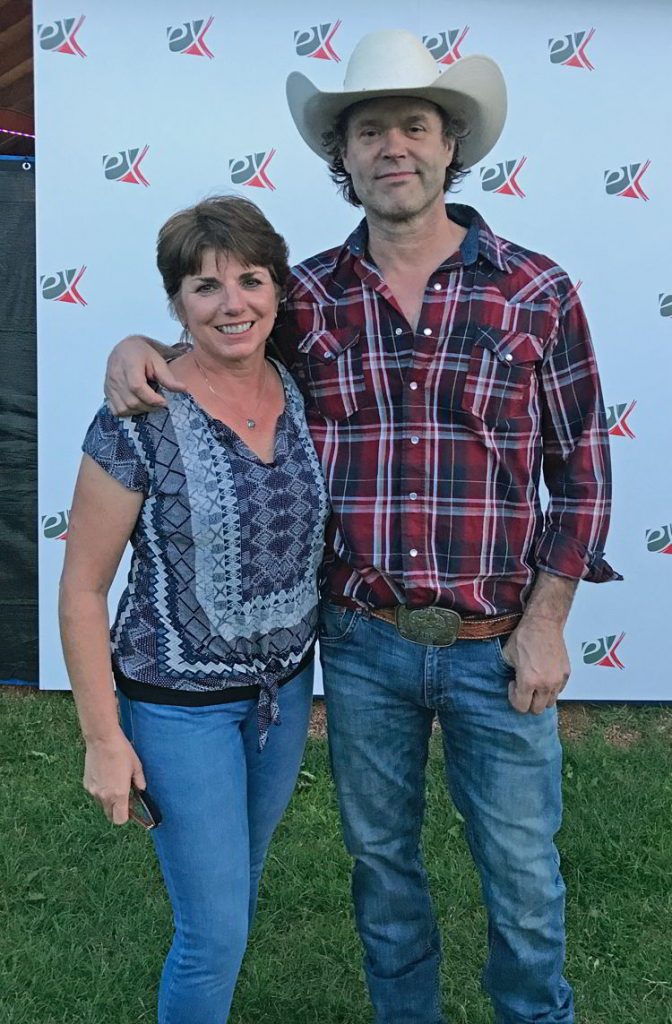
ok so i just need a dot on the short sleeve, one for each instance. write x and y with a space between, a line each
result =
114 443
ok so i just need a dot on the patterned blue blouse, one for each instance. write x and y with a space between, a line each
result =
222 590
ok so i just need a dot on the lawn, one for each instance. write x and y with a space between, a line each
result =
85 924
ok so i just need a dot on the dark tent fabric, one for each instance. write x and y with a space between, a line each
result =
18 423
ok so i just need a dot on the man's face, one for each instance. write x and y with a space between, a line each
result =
397 155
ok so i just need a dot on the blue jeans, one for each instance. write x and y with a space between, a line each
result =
503 771
221 800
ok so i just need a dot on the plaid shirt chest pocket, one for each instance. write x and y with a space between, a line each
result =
333 371
500 377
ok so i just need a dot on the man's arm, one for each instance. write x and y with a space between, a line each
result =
577 472
131 364
536 648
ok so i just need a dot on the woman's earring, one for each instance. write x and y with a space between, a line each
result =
185 338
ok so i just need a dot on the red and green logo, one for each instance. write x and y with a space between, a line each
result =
570 51
55 526
189 38
251 170
617 419
62 287
445 46
659 540
603 651
502 178
125 166
60 36
626 181
317 41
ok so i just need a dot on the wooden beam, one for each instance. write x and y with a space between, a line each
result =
13 74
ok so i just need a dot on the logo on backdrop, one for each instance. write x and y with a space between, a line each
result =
316 41
502 178
659 540
603 651
251 170
626 181
617 419
61 36
55 526
570 51
665 306
125 166
445 46
62 287
190 38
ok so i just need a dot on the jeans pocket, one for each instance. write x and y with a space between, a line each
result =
499 642
336 623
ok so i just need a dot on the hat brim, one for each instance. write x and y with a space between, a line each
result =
473 88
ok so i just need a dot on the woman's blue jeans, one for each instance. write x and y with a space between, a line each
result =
221 800
503 771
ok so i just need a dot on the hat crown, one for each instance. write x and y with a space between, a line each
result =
390 59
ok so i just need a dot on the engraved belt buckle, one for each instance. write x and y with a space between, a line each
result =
435 627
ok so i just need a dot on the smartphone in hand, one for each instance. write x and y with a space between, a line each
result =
143 809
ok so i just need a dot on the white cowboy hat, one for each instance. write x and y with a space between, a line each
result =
395 63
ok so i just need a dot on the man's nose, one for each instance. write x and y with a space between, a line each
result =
394 143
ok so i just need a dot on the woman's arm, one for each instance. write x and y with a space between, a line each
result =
103 515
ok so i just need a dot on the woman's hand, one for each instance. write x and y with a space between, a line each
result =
132 363
110 766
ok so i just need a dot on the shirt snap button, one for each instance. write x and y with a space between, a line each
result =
427 331
413 552
508 357
415 439
413 495
413 385
398 331
437 287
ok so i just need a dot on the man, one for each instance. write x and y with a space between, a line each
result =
444 370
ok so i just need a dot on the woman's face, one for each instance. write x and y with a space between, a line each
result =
228 308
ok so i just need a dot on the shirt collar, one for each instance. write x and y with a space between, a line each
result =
480 239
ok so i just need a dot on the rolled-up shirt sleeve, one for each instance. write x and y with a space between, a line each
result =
576 458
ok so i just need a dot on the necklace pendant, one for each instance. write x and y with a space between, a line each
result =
251 424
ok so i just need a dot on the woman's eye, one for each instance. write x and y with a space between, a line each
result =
252 282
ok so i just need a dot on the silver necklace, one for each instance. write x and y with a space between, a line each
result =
250 420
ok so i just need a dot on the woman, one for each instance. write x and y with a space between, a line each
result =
221 496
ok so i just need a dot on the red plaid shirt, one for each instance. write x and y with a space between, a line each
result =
433 441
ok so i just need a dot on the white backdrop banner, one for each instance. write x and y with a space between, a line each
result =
142 109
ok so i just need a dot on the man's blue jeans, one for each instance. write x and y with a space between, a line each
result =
220 799
503 771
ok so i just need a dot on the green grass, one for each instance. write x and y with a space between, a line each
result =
85 925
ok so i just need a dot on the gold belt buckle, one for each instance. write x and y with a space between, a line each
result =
434 627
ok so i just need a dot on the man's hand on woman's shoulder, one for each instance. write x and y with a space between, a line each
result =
131 365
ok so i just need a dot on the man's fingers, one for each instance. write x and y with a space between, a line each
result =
120 811
538 702
135 399
139 778
160 372
518 698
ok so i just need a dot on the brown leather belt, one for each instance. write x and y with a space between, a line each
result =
435 626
